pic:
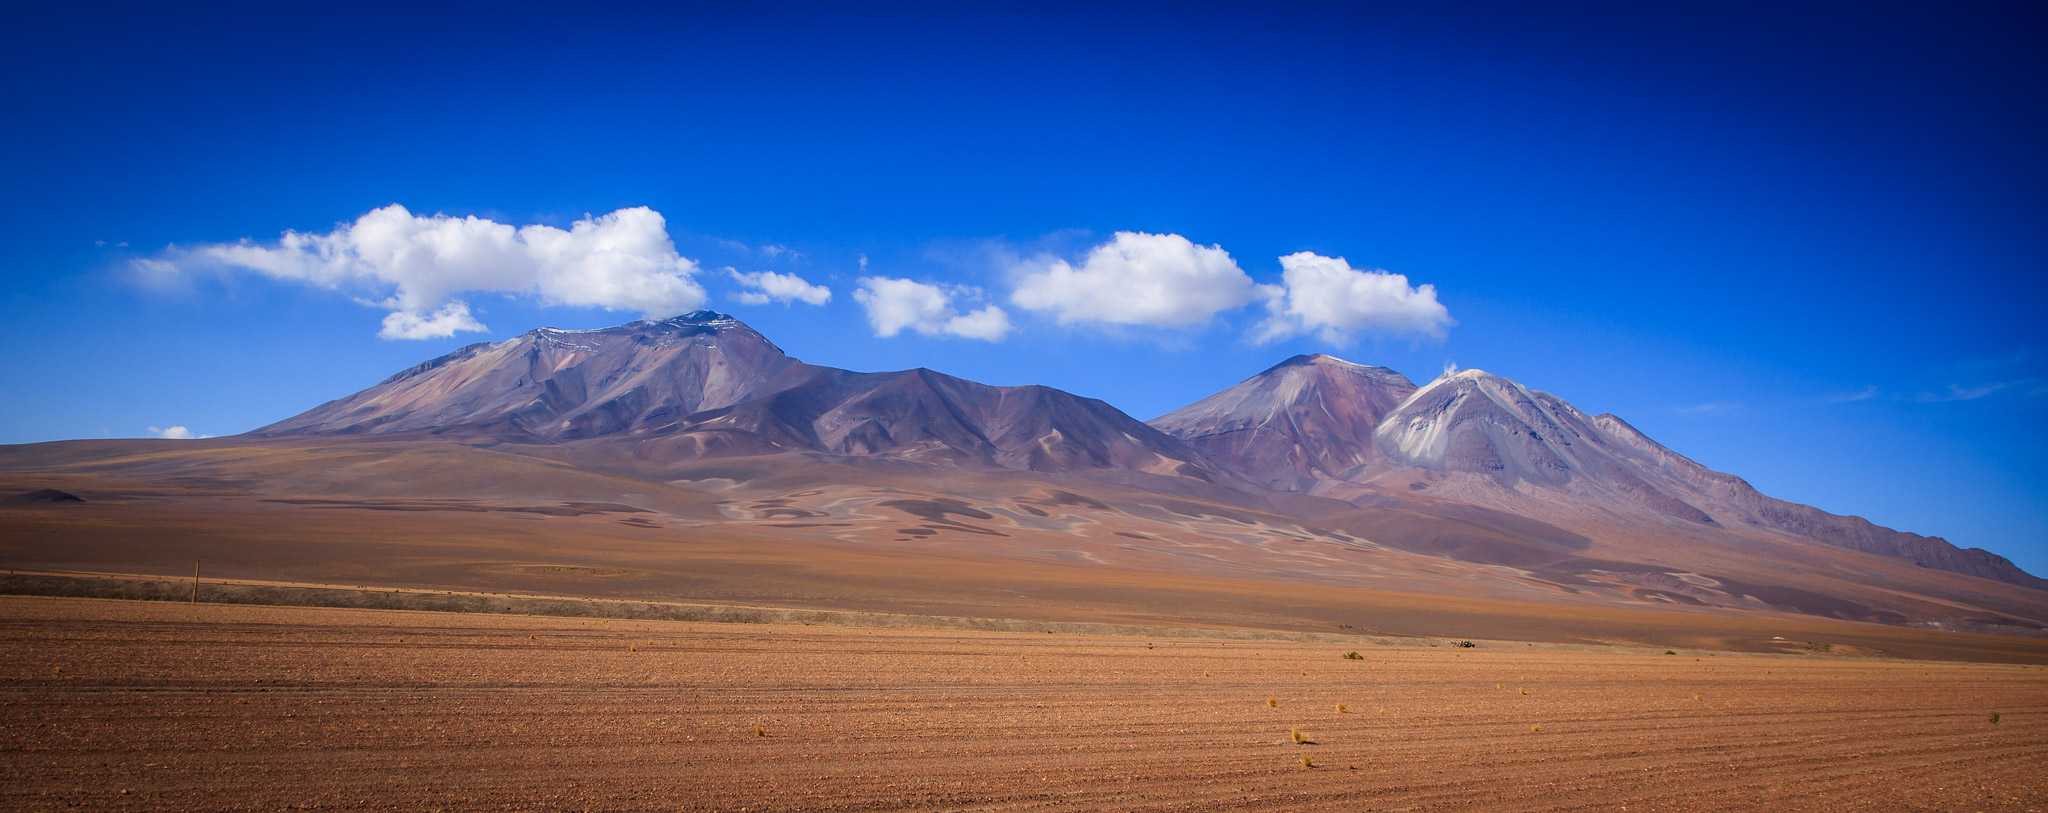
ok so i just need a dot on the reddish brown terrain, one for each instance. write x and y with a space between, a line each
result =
160 706
692 460
1023 599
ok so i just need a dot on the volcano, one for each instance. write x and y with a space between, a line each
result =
691 459
706 385
1327 427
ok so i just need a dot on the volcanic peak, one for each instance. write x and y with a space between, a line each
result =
1326 361
707 324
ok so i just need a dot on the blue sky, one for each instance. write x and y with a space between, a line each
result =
1799 242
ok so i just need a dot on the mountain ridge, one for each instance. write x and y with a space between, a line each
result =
719 388
1476 437
706 385
647 440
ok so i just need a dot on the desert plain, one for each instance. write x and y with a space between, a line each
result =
127 705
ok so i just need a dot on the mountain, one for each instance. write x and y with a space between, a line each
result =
692 460
706 385
1480 439
564 384
1306 420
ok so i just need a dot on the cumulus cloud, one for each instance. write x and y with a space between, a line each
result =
1327 297
769 286
175 433
417 266
1162 280
441 324
894 305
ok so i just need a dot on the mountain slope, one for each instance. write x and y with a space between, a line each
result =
738 473
706 385
563 384
1307 419
1484 440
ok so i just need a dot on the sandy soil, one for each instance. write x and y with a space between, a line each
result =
155 706
494 549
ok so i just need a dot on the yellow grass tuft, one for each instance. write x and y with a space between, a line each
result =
1535 729
1993 717
1272 704
1306 762
1698 699
1525 691
1299 737
760 732
1343 709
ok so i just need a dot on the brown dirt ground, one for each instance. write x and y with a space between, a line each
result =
596 556
154 706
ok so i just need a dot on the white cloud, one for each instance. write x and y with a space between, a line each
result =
443 323
988 324
896 304
156 273
1327 297
770 286
417 266
175 433
1162 280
